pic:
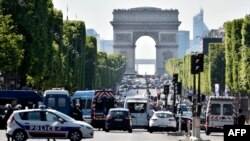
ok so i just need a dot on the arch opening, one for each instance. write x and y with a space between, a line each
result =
145 55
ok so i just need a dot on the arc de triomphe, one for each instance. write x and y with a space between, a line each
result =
161 25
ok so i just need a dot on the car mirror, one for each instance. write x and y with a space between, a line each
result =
61 120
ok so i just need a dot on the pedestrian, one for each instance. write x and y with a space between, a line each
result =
241 118
77 112
7 114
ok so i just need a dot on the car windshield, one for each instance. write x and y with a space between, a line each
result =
227 109
137 107
119 113
215 109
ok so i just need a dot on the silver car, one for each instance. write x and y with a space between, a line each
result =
45 124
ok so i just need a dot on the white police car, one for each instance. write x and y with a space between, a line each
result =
45 124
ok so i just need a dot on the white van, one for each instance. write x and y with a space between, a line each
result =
220 111
139 110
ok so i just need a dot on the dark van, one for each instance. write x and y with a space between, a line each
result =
26 98
58 99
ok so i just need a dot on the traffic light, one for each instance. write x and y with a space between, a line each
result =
197 62
178 88
175 78
193 67
166 89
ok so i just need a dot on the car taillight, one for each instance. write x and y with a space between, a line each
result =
128 117
109 117
171 119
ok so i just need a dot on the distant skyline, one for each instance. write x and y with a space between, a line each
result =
97 14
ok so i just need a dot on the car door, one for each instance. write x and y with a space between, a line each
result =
141 114
35 125
215 114
227 117
56 128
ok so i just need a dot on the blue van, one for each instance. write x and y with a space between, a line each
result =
58 99
84 99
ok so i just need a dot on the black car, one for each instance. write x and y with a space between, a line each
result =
118 119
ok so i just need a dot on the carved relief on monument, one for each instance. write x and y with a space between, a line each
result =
168 38
122 37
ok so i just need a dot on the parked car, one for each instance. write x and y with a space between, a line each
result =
118 119
46 124
189 114
184 122
162 121
221 110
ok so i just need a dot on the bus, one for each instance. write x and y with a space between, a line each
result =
84 99
103 100
58 99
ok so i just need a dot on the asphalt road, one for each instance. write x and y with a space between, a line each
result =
137 135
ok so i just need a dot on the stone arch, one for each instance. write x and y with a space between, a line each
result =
131 24
137 35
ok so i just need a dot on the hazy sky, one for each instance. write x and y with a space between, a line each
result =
97 14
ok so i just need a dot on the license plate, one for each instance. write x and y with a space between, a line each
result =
118 119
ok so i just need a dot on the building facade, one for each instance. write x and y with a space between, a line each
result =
183 43
200 30
92 32
106 46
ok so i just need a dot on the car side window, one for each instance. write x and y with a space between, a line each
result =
51 117
36 116
24 115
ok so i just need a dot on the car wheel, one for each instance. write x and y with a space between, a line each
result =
106 130
19 135
75 135
130 130
207 131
